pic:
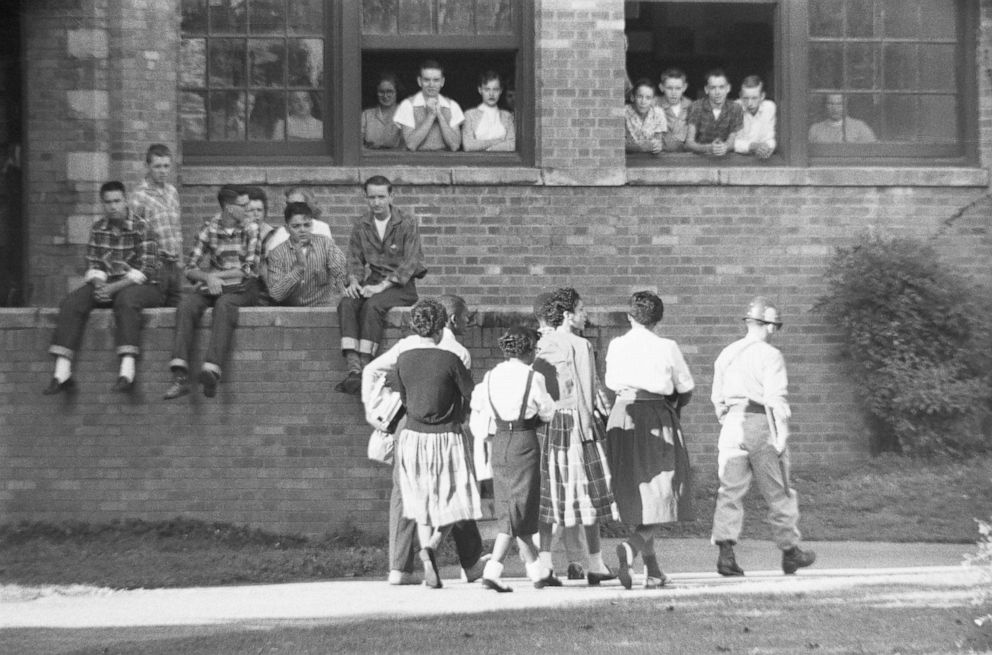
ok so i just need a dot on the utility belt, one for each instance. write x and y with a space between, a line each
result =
531 423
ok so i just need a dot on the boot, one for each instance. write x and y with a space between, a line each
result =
796 558
726 563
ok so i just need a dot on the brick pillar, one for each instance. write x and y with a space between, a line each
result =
581 69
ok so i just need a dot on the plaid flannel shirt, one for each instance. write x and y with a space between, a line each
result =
226 250
397 257
159 208
708 128
115 251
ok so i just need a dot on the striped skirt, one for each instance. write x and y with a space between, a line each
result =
436 478
575 478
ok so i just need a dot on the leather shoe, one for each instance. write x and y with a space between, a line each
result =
550 581
54 386
208 381
625 555
595 578
123 385
796 558
651 582
474 572
496 586
726 563
179 387
576 572
352 384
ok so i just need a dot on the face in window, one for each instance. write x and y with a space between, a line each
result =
674 88
299 104
643 99
300 228
431 81
751 98
386 92
835 107
379 198
490 92
717 88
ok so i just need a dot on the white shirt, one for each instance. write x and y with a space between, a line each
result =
404 113
759 128
505 385
641 360
749 369
380 227
387 361
489 127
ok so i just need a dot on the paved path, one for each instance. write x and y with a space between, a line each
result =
841 565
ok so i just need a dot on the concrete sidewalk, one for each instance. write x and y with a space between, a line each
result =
840 565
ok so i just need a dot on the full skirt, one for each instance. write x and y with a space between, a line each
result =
436 478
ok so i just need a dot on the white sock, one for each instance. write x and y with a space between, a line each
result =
63 369
493 570
536 572
544 558
595 563
127 367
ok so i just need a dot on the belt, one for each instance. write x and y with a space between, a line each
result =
754 408
639 394
518 426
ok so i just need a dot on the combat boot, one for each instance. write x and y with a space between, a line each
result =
726 563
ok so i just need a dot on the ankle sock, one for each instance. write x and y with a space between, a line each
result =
127 367
63 369
595 563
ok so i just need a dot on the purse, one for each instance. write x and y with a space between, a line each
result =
381 445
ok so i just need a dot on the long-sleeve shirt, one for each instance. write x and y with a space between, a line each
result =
397 256
435 387
159 208
641 360
225 249
114 251
318 282
758 128
504 386
474 139
569 368
749 370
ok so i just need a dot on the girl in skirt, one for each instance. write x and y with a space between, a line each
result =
644 444
575 478
436 477
513 399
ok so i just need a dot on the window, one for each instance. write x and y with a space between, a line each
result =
855 81
284 79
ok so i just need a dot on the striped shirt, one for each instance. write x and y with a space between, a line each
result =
226 249
159 208
116 250
319 282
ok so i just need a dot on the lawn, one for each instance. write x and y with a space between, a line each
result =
882 499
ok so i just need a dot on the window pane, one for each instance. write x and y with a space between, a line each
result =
379 16
193 62
937 67
454 17
901 66
266 16
193 115
864 107
939 119
494 16
306 17
902 18
826 18
415 17
227 62
266 62
900 117
861 66
826 65
228 113
228 16
268 108
303 122
861 18
938 19
194 20
306 63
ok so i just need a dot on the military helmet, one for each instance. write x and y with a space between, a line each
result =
762 310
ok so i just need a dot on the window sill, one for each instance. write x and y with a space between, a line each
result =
826 176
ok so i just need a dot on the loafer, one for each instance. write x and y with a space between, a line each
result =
496 586
179 387
625 555
208 382
796 558
595 578
123 385
54 386
432 575
550 581
575 572
651 582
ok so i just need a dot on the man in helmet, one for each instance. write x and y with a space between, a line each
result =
749 394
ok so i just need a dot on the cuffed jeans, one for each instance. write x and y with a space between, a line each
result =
188 315
363 319
75 308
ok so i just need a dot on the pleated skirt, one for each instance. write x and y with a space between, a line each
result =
437 480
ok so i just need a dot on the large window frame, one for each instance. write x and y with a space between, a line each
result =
791 61
342 89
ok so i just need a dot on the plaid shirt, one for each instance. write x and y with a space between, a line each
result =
115 251
397 257
321 279
226 250
709 129
159 208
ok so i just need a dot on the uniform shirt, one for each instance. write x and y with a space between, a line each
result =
413 111
113 252
159 208
758 128
318 283
749 370
226 250
397 257
504 386
710 128
641 360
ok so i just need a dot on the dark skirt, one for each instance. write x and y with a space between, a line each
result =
646 452
516 464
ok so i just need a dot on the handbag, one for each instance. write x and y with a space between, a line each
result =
381 445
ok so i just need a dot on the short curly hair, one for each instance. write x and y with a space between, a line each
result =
428 317
518 341
646 308
561 300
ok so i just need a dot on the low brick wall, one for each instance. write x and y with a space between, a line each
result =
278 448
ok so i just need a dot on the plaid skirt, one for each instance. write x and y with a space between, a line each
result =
646 452
575 478
436 478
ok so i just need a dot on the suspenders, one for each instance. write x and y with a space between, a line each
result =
521 423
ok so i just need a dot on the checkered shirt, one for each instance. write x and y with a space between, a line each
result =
159 208
115 251
225 250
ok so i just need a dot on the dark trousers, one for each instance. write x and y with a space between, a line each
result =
402 531
75 308
362 319
171 280
188 315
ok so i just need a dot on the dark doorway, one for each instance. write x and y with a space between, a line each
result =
12 226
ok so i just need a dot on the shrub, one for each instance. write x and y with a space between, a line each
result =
917 339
